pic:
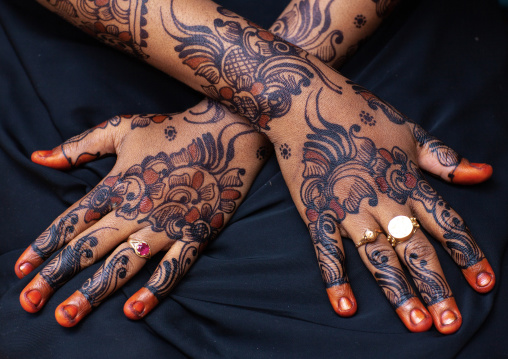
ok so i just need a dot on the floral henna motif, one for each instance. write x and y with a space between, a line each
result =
343 169
309 26
250 70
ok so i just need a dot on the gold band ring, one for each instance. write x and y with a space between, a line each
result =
401 228
141 248
368 237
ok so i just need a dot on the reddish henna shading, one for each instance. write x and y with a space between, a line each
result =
480 276
446 315
35 295
470 173
342 299
72 310
414 315
140 304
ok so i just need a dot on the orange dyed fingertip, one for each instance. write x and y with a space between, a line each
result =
53 158
480 276
446 316
471 173
72 310
414 315
342 300
140 304
35 295
27 262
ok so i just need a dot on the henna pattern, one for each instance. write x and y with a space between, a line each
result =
446 156
285 151
260 71
367 118
170 133
342 169
391 279
375 103
431 285
197 117
360 21
309 26
144 120
119 23
71 260
384 7
56 236
105 280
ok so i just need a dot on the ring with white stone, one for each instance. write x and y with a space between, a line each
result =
368 237
401 228
141 248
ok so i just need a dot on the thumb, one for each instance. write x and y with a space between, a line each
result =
85 147
441 160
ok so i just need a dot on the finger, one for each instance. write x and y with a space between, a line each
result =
169 272
82 148
444 224
80 216
119 268
421 259
380 258
327 240
80 253
441 160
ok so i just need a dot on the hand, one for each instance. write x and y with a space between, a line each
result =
361 168
170 190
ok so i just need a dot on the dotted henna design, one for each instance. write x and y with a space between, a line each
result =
367 118
360 21
285 151
170 133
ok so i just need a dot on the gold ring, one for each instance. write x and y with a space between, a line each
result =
401 228
368 237
141 248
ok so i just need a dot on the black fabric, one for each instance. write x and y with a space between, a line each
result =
256 291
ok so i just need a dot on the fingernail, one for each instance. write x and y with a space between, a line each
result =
417 316
34 297
138 307
448 317
345 304
479 166
70 311
483 279
26 268
43 153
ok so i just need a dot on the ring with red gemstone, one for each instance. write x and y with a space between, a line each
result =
141 248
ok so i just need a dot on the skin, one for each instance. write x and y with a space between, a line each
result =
329 108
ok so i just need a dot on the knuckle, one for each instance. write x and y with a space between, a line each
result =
420 250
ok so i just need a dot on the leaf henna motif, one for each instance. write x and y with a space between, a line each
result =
309 27
105 280
248 69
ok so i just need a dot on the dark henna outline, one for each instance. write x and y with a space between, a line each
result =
105 280
71 260
431 285
260 80
309 27
391 279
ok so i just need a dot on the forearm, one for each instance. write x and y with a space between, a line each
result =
329 29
